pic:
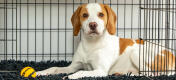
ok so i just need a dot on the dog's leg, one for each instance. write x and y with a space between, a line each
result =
73 67
100 68
56 70
94 73
135 60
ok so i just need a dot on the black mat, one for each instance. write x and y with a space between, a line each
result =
16 66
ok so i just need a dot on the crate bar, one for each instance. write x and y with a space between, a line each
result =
27 30
155 32
152 16
80 1
4 40
20 33
132 20
43 26
58 32
158 71
149 2
4 28
167 56
16 32
80 30
144 37
124 17
110 3
65 30
161 6
146 32
12 28
50 30
155 19
72 32
139 35
167 32
158 35
35 33
6 31
117 18
33 54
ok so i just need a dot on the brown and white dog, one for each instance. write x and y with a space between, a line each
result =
101 52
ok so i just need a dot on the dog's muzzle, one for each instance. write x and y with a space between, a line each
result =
93 28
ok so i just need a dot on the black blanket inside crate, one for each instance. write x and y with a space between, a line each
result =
10 70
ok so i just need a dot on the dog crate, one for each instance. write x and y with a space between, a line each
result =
41 30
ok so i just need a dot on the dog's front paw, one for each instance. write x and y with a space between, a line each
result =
77 75
73 77
41 73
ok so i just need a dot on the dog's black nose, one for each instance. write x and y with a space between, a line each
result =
92 25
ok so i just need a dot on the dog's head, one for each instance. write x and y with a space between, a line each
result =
94 19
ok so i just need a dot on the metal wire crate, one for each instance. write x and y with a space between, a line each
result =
40 30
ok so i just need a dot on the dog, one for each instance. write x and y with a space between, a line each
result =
101 53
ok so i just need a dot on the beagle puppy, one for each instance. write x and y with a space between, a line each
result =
101 53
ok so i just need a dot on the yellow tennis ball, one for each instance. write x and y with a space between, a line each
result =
28 72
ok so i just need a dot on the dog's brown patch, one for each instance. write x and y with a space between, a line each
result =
111 19
83 11
124 43
105 17
163 61
77 18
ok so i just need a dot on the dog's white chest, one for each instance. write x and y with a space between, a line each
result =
88 62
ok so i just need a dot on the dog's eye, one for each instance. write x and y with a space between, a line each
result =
100 14
85 15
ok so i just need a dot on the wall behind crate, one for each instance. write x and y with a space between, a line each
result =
36 32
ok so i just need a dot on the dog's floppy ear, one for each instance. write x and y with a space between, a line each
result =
75 19
111 22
